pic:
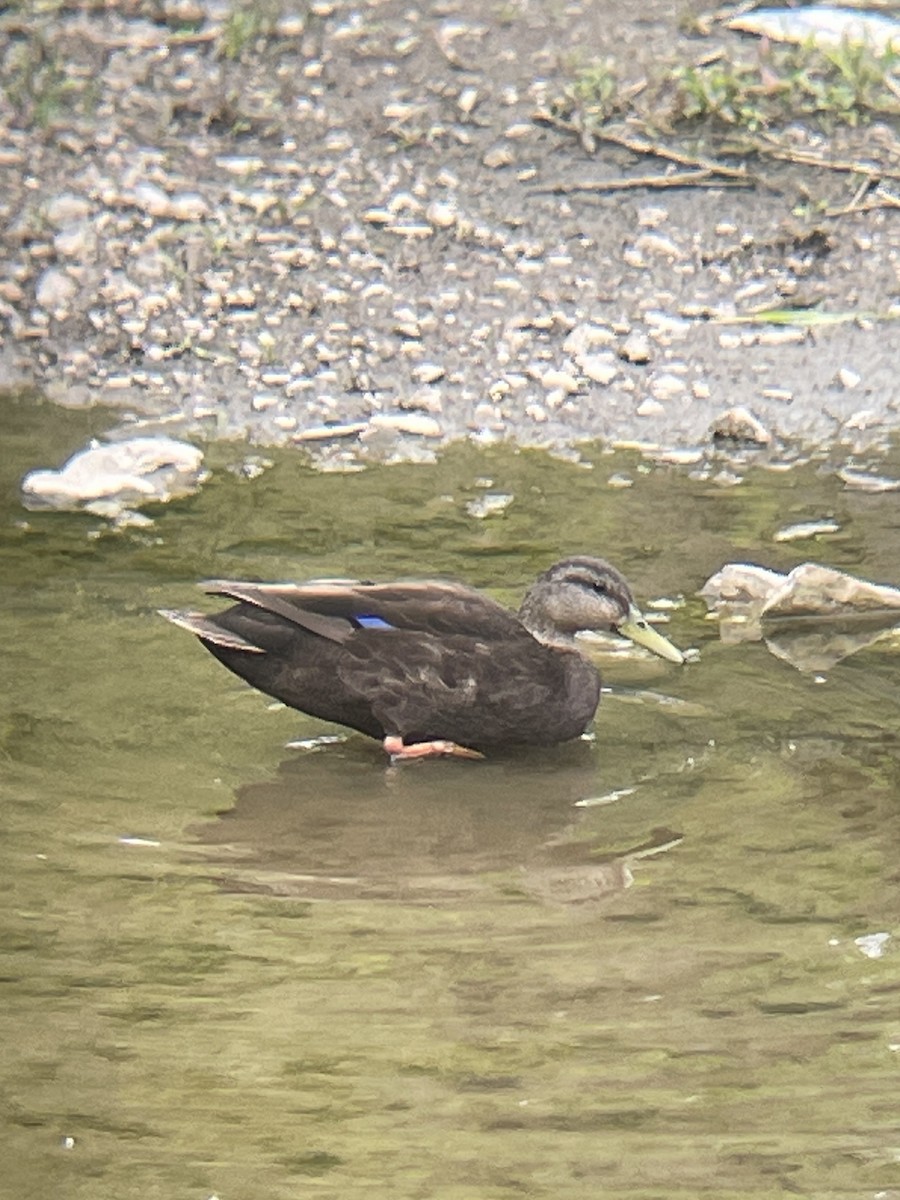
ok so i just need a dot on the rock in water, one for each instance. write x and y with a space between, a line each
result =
114 475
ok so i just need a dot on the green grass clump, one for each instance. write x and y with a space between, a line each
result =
842 85
38 83
247 24
848 84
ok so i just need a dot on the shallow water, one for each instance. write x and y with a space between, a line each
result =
624 967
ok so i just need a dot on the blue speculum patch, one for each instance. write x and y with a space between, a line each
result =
370 621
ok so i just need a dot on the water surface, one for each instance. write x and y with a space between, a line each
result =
626 967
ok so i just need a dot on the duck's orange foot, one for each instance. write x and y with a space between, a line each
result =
394 746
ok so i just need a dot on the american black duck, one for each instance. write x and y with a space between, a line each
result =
428 667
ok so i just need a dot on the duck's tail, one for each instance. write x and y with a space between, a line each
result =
207 630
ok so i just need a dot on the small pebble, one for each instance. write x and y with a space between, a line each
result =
151 199
559 381
805 529
636 348
666 386
417 423
322 433
443 214
658 245
599 368
491 504
66 209
428 372
676 456
188 206
740 425
650 408
54 289
862 482
848 378
873 945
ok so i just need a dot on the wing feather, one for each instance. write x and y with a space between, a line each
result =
331 608
280 602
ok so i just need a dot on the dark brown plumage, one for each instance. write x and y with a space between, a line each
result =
428 667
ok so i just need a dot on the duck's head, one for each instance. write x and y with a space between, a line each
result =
588 594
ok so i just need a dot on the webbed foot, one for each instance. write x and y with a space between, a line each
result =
395 747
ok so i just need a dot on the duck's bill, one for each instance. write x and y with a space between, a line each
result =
637 630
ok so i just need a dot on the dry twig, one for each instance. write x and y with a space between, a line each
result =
703 177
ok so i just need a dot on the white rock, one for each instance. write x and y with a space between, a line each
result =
666 386
658 245
873 945
740 583
75 241
863 482
667 325
188 206
805 529
600 368
636 348
468 98
497 156
417 423
428 372
66 209
650 408
134 471
741 425
442 213
54 289
822 25
783 335
427 399
848 378
864 418
240 164
651 216
587 337
559 381
324 433
680 456
263 401
151 199
491 504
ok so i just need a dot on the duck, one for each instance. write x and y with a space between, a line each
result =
429 667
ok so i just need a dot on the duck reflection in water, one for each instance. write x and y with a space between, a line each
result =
327 827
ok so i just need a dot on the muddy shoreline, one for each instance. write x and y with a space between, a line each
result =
357 235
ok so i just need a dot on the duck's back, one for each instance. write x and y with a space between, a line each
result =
421 661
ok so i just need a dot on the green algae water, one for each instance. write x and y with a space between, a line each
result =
646 965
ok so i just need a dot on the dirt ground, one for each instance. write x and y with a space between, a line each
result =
355 229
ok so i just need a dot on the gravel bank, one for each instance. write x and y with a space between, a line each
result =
356 235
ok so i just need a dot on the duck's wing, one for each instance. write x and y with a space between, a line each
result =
339 609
